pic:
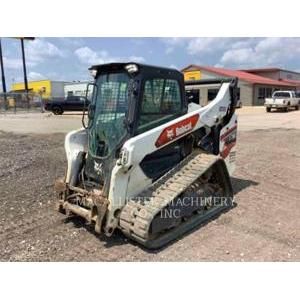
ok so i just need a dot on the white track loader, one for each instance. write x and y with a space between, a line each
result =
148 162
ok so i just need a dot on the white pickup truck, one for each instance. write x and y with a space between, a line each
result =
283 100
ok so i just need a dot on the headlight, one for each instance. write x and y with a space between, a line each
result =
131 68
124 157
93 73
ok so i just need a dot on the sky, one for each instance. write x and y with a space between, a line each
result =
68 59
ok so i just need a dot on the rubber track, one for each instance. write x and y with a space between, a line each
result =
137 215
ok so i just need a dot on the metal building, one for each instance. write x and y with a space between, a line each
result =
253 87
45 88
76 88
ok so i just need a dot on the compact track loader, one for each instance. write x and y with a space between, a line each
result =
148 162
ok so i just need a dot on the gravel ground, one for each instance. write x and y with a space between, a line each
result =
250 118
264 226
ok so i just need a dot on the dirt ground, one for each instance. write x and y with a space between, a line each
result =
264 226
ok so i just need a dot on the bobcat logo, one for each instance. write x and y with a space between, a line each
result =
170 134
98 167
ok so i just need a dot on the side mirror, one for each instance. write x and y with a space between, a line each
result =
91 111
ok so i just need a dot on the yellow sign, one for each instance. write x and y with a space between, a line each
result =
192 75
42 87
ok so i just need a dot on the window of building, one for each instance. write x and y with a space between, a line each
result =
211 94
70 93
265 92
268 92
161 103
238 94
193 96
261 93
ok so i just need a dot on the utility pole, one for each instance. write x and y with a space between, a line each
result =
24 71
24 66
3 76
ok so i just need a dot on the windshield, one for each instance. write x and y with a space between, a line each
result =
281 94
107 126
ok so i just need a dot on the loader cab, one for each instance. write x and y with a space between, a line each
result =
128 99
146 94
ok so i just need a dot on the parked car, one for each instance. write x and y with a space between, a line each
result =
282 100
70 103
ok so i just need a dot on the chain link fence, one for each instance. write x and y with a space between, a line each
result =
21 102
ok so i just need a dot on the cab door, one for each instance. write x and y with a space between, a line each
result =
162 102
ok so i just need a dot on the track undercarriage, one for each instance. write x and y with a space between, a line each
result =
195 191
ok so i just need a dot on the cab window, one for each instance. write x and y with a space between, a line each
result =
161 102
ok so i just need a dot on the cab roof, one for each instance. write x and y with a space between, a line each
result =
163 71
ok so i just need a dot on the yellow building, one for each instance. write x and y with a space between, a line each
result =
46 88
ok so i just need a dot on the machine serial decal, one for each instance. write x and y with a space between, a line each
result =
223 136
229 139
176 130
